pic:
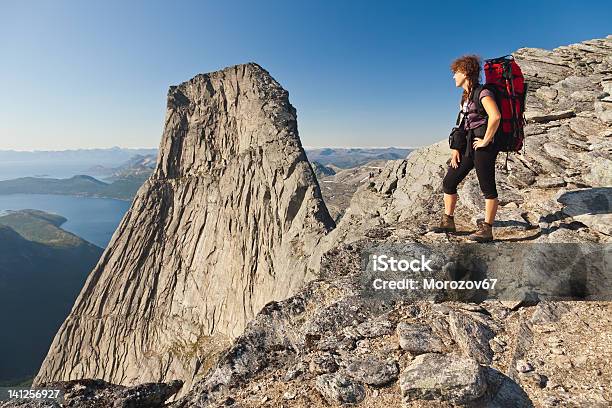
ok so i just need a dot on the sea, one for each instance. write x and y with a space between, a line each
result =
93 219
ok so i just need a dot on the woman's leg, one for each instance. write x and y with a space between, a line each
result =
453 177
484 162
490 209
450 202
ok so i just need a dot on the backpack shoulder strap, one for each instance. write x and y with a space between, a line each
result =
476 94
476 98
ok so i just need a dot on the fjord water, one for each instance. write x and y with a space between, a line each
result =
50 280
93 219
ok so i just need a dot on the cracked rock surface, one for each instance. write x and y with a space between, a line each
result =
228 221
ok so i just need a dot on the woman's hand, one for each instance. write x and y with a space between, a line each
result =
478 143
455 158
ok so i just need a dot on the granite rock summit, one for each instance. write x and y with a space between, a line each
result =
227 222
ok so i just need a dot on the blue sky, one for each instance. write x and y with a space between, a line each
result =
84 74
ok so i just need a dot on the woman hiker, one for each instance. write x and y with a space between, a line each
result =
480 150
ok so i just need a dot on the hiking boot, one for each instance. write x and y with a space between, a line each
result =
484 233
447 224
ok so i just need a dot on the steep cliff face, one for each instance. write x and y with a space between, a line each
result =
227 222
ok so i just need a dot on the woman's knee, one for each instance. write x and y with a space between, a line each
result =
449 185
487 185
490 194
485 171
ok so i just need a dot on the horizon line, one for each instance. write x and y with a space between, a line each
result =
157 148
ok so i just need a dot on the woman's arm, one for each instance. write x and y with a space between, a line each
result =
492 123
494 117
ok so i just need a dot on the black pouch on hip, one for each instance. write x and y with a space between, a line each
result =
458 135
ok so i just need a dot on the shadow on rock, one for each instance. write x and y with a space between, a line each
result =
587 201
502 392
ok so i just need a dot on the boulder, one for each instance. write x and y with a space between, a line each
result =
339 388
372 371
442 377
590 206
418 339
471 336
543 117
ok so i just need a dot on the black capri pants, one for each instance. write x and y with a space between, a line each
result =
482 159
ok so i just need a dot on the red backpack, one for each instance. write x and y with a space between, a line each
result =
505 79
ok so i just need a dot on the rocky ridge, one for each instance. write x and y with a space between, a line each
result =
339 188
331 344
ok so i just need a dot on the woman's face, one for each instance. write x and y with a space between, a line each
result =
460 78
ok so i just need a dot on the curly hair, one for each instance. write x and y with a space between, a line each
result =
470 66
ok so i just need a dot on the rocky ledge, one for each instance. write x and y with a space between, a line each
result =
331 345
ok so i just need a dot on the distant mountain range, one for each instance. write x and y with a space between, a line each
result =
138 165
352 157
42 268
114 156
81 185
